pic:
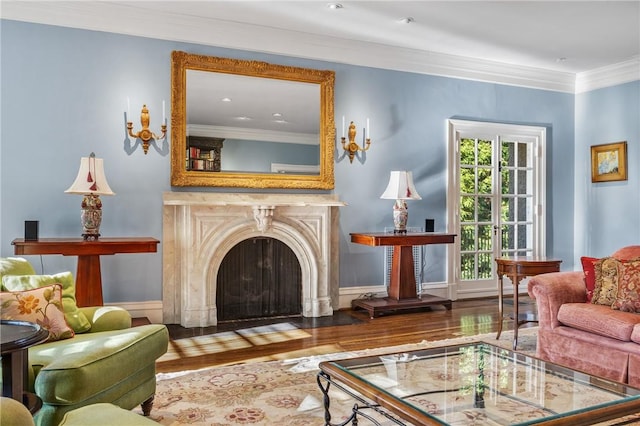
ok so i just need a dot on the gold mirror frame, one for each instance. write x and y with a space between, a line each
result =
180 176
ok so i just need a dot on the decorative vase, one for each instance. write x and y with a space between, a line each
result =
400 216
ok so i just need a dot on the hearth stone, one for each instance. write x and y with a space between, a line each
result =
200 228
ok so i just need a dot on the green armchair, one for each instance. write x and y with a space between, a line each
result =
110 362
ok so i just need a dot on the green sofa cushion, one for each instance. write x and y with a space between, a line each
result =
15 266
76 319
104 414
70 371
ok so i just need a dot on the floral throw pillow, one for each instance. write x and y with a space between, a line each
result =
606 288
42 306
628 294
75 318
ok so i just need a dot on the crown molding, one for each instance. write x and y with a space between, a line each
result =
126 19
610 75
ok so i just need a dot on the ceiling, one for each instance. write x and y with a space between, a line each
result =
484 40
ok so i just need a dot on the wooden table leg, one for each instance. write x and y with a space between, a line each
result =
500 306
14 374
89 281
402 283
516 314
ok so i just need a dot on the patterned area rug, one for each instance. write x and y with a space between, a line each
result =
282 392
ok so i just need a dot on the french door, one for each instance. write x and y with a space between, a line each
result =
495 199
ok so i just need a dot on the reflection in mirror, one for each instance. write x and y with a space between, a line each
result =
250 124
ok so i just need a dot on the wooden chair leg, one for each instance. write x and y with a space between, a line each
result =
147 405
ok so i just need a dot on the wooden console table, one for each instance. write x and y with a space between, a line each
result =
517 268
88 275
402 288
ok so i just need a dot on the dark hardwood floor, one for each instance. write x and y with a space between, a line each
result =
346 330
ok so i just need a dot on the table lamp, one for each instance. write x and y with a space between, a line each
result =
91 183
400 188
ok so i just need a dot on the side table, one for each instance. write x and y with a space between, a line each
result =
16 337
88 275
517 268
402 286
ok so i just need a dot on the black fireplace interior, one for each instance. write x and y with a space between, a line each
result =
259 278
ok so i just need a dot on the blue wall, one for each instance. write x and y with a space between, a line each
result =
64 94
607 213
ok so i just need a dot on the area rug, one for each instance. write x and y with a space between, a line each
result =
281 392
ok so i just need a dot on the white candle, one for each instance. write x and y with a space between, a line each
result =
163 116
128 108
343 126
368 133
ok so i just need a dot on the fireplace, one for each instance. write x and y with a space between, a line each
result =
200 228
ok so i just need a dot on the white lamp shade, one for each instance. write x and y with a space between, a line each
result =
401 187
91 178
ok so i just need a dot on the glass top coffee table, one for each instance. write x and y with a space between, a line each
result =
474 383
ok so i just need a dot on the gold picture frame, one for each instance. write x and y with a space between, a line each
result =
609 162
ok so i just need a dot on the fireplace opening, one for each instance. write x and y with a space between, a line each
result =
259 278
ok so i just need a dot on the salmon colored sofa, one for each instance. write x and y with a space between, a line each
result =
588 337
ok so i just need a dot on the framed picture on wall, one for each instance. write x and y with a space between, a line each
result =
609 162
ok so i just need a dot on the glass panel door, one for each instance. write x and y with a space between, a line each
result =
495 197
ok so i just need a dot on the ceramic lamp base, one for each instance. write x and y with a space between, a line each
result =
91 217
400 217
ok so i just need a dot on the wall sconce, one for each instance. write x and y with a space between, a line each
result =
352 147
91 182
145 134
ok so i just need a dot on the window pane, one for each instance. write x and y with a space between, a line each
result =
484 209
467 180
484 181
508 181
468 266
508 237
485 237
468 237
508 209
485 261
523 155
508 154
467 151
523 183
467 208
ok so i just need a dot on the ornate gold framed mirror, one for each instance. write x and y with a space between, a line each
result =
250 124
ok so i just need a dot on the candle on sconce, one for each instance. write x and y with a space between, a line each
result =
343 126
368 132
128 109
163 115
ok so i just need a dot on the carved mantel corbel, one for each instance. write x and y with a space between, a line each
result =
263 216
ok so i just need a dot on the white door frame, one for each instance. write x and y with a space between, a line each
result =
458 129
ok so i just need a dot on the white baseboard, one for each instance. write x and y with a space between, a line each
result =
347 294
151 309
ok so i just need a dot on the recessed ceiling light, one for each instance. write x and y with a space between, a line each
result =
334 6
277 114
563 59
280 121
407 20
226 99
243 118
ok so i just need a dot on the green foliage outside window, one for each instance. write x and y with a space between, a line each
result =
476 219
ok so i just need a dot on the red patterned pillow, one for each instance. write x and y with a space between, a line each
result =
589 268
628 294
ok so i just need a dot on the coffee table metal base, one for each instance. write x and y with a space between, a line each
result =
325 382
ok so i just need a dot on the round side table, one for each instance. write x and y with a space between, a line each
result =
16 337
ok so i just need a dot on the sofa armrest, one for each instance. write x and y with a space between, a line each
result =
553 290
105 318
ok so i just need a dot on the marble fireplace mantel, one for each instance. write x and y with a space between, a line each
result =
199 229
